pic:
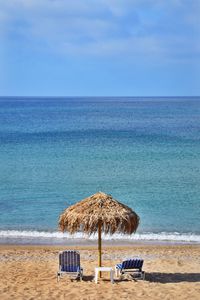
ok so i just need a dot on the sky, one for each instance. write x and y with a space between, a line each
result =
99 48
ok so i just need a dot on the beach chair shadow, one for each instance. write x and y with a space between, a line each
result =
172 277
89 278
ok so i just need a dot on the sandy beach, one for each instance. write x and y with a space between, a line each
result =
29 272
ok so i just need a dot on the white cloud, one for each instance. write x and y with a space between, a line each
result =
101 27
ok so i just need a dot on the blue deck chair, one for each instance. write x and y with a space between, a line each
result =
133 266
69 264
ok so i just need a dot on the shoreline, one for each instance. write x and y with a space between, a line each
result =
36 237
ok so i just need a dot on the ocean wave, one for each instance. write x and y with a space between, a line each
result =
55 235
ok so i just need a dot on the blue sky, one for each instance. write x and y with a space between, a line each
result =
97 48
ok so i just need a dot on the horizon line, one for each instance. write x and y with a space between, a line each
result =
54 96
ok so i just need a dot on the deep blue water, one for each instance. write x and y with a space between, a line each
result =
143 151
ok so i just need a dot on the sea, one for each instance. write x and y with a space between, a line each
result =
144 151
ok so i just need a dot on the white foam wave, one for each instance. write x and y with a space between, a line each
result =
148 236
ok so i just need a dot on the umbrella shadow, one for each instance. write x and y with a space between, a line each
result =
172 277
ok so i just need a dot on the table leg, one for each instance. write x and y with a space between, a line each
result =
111 276
96 276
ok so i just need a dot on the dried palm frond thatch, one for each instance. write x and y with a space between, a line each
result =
99 213
99 208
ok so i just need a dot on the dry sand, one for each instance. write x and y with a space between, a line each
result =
29 272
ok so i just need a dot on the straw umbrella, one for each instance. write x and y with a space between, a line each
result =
99 213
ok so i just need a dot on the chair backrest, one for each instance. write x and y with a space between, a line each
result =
132 264
69 261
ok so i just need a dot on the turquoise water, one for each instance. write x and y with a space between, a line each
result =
143 151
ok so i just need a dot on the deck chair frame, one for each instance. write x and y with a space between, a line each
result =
69 264
130 266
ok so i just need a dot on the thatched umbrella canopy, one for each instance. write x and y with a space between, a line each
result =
99 213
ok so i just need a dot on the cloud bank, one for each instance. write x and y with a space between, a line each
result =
136 28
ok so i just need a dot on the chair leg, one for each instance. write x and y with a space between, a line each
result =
143 275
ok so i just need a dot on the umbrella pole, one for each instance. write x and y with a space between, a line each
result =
99 244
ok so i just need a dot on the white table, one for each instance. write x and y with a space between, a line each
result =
104 269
